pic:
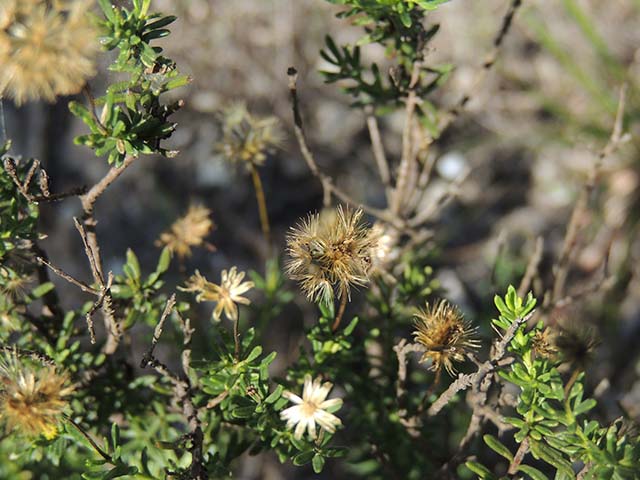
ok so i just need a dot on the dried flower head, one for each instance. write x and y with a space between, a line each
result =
311 409
227 295
544 343
445 334
32 400
46 48
330 250
188 231
247 139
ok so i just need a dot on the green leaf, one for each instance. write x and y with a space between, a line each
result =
303 458
534 473
498 447
480 470
317 463
41 290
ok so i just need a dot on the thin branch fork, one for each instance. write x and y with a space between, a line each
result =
182 388
477 380
328 185
87 232
562 265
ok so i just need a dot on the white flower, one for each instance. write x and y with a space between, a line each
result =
311 409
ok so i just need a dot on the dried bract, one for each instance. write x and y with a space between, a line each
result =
445 334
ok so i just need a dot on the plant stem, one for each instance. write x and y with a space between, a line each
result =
236 337
95 446
343 305
572 380
262 203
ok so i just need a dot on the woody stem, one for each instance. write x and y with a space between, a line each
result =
343 305
262 203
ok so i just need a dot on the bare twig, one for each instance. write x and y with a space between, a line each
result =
182 389
378 149
477 380
32 354
507 22
532 267
563 264
402 349
62 274
328 185
407 160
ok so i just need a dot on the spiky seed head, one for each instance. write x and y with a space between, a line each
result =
330 251
247 139
447 337
46 48
32 399
188 231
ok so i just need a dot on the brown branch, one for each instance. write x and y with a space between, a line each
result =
532 267
407 159
69 278
32 354
477 380
519 456
563 264
328 185
490 60
378 149
182 388
402 349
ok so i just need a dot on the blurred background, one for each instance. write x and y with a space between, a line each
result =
530 137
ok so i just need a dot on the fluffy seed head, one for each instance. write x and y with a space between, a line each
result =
188 231
247 139
328 251
47 48
32 400
445 334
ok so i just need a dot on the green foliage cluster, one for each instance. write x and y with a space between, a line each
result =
550 415
134 118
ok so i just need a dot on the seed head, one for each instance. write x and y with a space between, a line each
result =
227 295
544 343
445 334
247 139
330 250
188 231
47 48
32 400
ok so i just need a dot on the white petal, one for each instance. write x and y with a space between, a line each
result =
307 391
321 393
330 403
292 397
311 428
291 413
300 429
